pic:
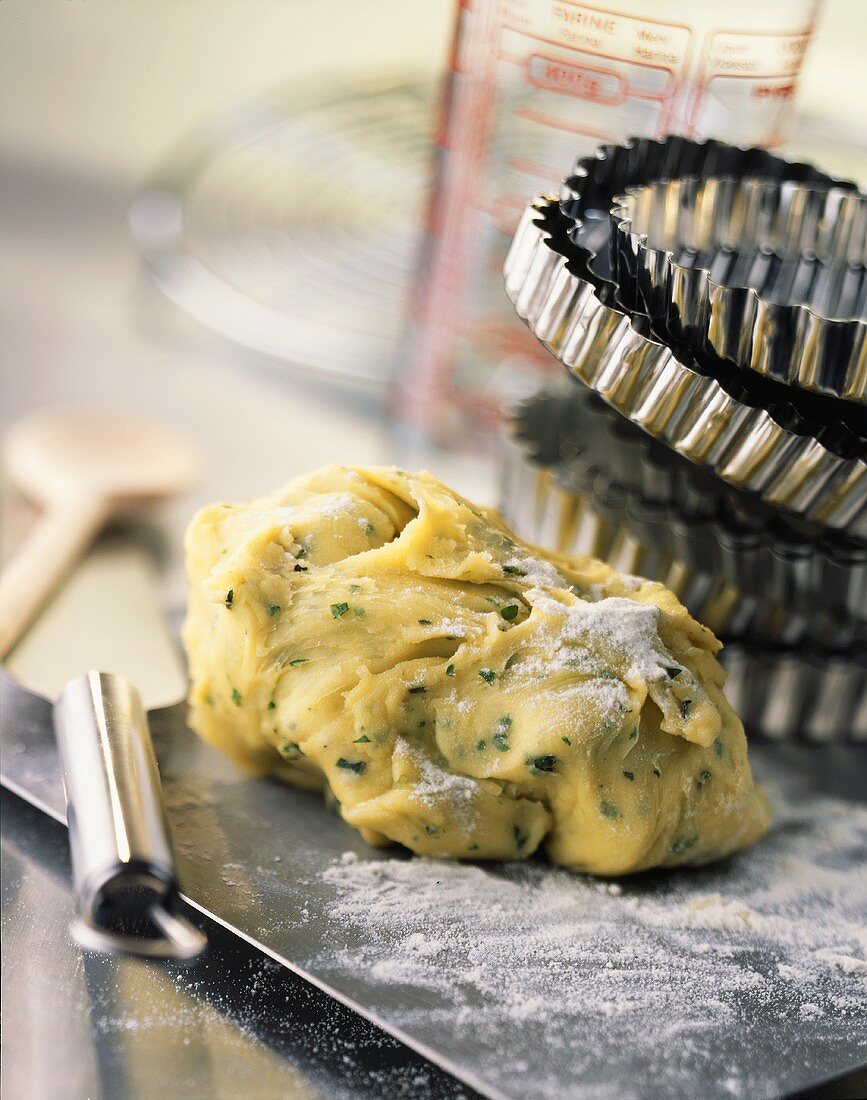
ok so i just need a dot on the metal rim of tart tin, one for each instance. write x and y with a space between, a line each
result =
770 275
818 472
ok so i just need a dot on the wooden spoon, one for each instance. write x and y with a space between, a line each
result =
85 469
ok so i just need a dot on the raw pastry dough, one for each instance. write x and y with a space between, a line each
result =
372 633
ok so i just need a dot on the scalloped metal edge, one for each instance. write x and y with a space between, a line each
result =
818 698
613 167
570 506
543 512
793 343
815 695
690 412
810 575
825 600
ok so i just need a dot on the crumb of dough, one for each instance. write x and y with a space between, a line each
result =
370 633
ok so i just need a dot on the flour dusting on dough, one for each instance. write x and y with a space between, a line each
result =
372 634
614 623
435 783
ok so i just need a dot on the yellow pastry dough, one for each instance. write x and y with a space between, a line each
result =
371 633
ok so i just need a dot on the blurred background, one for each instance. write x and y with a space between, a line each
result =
200 198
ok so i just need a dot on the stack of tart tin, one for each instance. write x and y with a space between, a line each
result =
712 302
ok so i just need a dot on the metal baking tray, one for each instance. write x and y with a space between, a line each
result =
261 859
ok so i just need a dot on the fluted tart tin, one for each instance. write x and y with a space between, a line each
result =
783 686
770 275
815 470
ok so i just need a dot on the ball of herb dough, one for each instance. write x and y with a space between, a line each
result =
373 634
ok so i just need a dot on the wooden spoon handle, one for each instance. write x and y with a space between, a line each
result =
57 541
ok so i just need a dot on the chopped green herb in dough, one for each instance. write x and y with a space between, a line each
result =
356 766
557 653
682 844
500 738
541 763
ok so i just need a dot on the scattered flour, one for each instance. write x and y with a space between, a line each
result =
330 505
333 505
725 978
435 784
536 572
615 624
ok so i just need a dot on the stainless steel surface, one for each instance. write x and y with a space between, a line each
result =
770 275
233 1025
280 210
551 286
253 853
106 617
122 859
